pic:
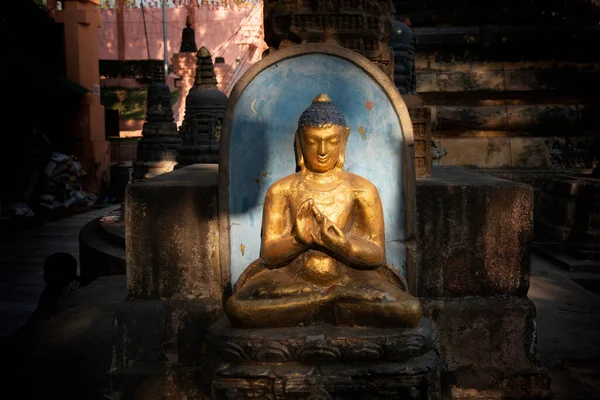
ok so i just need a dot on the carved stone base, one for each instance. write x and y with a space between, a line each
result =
321 362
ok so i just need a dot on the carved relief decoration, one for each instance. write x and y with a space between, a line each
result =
363 26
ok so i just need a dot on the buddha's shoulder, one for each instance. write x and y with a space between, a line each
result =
284 184
360 184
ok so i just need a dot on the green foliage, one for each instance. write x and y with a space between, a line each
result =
129 102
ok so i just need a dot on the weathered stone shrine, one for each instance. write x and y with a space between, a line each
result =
198 323
157 149
204 112
363 26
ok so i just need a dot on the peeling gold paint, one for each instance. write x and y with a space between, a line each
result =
265 174
369 105
242 249
257 180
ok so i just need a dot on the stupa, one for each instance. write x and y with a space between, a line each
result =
188 38
157 149
204 113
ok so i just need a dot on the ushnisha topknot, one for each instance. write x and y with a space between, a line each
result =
322 112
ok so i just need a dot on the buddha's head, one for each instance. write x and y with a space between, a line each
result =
321 136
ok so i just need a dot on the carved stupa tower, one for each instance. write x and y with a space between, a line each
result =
204 113
403 43
405 79
188 38
157 150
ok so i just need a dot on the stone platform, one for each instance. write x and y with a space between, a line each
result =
474 233
324 362
570 257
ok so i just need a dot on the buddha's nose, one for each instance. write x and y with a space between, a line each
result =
321 149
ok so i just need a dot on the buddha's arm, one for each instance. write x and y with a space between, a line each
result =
278 246
361 253
364 246
364 254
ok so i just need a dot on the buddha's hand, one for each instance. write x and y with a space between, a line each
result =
329 235
304 225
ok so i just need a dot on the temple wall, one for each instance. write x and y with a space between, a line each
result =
508 114
510 86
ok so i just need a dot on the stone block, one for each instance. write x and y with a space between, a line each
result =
428 82
473 80
537 79
477 152
544 119
532 384
587 81
189 322
319 343
139 337
473 234
541 120
422 61
588 115
499 359
501 332
529 152
155 336
172 236
158 346
417 378
486 65
479 118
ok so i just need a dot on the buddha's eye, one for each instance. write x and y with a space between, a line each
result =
334 141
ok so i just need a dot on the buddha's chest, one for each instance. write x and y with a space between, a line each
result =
336 204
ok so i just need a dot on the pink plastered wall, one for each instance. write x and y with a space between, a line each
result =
232 33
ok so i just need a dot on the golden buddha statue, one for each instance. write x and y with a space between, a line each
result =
323 243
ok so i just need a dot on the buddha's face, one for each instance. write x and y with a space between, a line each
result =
322 146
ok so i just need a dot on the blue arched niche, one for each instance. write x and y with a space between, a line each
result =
261 145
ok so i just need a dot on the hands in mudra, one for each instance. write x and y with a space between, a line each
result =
312 227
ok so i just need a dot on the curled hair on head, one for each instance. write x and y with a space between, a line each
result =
321 113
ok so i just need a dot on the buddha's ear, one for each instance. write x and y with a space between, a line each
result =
346 134
298 147
342 158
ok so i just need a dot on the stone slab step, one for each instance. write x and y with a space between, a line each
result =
566 260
